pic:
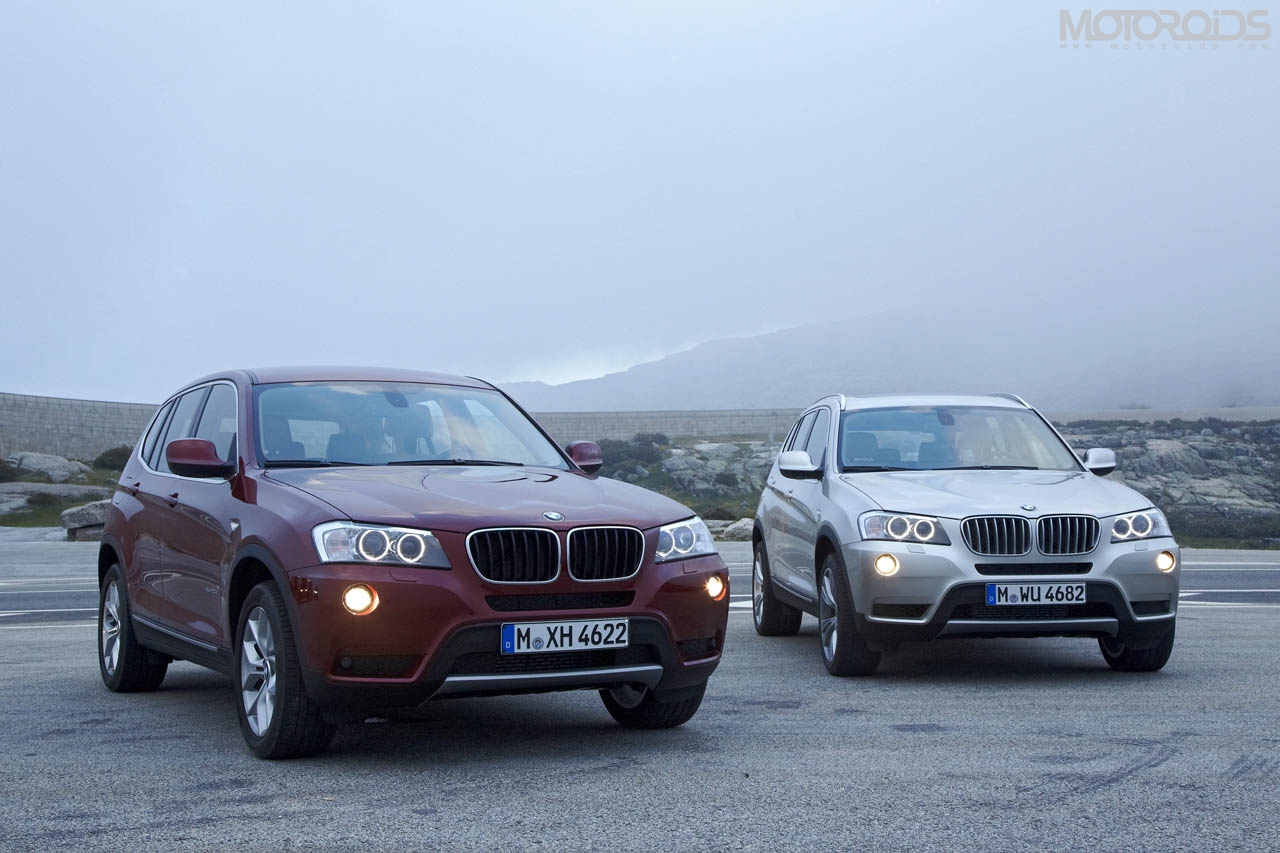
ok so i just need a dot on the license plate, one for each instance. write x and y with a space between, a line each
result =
531 637
1035 593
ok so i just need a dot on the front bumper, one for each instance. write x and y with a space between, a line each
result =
940 591
436 633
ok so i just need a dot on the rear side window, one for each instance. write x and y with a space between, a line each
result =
180 424
218 421
816 445
153 434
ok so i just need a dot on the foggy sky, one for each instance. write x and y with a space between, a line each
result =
553 190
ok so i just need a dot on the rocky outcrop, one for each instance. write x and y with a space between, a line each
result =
56 468
739 531
84 523
721 468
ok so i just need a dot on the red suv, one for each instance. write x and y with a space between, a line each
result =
344 541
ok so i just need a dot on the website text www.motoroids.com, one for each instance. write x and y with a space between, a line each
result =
1148 29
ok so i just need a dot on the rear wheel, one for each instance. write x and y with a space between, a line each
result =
277 717
772 617
635 706
126 667
844 650
1122 658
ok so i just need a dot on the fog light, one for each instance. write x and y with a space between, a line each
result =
1165 561
715 587
360 600
887 564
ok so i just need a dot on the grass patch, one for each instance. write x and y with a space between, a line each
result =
44 510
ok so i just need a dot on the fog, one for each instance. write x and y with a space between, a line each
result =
555 191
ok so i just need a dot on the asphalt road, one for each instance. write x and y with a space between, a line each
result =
989 745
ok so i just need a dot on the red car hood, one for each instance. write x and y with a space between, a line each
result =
465 498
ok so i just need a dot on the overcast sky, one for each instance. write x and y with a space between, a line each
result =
551 190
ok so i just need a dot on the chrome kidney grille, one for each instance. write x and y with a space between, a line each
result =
997 535
1067 534
515 554
605 553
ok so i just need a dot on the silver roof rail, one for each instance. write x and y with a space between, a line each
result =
839 397
1014 397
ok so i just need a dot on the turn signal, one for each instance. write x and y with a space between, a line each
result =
715 587
360 600
1165 561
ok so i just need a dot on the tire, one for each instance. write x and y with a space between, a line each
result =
1124 659
636 708
844 651
126 667
772 617
277 717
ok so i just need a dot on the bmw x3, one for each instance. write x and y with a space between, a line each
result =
905 518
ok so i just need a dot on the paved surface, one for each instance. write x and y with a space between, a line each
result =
992 745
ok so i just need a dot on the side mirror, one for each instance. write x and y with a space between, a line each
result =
796 465
1100 460
196 457
586 455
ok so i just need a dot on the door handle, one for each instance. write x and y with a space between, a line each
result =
173 499
132 488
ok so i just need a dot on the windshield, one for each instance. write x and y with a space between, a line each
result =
389 423
932 438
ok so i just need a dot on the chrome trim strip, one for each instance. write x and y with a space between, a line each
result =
995 626
648 675
568 551
177 635
476 569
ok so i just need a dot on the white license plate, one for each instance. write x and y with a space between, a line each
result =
1035 593
531 637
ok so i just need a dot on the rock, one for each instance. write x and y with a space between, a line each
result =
56 468
84 523
720 450
716 525
739 531
12 503
642 472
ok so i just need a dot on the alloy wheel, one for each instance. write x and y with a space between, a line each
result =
111 628
757 588
827 626
258 671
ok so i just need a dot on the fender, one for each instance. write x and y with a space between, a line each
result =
264 556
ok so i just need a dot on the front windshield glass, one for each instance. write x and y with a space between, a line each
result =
933 438
389 423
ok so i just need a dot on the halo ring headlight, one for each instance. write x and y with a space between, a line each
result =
898 527
373 545
411 547
1140 524
923 529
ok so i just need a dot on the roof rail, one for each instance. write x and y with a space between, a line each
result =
1014 397
839 397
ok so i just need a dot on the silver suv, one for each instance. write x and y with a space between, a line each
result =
916 517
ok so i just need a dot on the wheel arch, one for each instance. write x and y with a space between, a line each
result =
108 556
253 565
828 542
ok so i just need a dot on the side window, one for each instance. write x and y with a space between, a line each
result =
218 421
153 434
816 445
800 435
180 424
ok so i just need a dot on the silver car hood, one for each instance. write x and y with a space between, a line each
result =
957 494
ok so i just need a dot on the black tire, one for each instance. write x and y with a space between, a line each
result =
772 618
1122 658
844 651
636 707
294 725
135 669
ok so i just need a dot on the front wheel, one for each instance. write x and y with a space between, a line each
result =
844 650
126 667
636 707
1122 658
277 717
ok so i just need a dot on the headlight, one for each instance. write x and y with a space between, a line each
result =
899 527
348 542
683 539
1148 524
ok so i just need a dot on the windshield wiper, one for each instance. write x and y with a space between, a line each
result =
990 468
454 462
307 463
858 469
